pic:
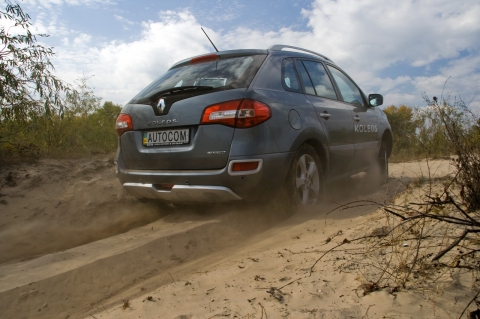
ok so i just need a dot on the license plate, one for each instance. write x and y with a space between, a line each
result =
166 137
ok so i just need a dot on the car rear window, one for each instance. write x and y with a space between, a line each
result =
289 76
322 84
221 74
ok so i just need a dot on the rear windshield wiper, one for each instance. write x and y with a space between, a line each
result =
174 90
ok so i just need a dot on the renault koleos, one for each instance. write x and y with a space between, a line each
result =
250 125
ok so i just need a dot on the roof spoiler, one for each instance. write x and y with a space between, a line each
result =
279 47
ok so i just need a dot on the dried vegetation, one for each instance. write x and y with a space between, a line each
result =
427 238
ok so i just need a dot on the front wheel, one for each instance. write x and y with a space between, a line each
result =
304 183
382 161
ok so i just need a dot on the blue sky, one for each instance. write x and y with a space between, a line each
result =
396 48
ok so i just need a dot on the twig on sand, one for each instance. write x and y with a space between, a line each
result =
473 299
366 312
291 282
277 293
269 288
172 277
345 241
263 311
455 243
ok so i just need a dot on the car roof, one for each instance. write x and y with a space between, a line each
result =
277 50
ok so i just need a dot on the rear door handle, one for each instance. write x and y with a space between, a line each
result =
325 115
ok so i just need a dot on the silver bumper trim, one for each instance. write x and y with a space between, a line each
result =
182 193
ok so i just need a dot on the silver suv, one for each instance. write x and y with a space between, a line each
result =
250 125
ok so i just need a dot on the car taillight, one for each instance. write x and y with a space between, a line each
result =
123 124
237 113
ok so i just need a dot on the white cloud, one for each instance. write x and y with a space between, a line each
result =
48 4
122 69
405 98
460 79
367 36
418 32
219 11
388 84
82 39
363 37
123 20
48 14
467 66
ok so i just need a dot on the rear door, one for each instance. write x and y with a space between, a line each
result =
334 115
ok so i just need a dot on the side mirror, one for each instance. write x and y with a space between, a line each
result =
375 99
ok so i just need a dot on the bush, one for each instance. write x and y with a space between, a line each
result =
82 128
461 136
421 133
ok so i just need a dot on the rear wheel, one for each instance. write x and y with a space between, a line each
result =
304 183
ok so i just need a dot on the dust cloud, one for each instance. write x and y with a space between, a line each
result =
55 205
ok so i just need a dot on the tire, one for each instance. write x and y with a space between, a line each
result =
382 162
304 183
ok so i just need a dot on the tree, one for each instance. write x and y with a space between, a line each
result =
404 127
27 85
83 100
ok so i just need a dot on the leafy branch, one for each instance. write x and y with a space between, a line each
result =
27 83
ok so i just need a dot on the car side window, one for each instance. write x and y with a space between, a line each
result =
290 79
349 91
307 83
321 81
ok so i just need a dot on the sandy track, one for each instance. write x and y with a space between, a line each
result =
183 264
58 204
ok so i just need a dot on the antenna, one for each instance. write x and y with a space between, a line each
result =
209 39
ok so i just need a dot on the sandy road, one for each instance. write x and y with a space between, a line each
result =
95 278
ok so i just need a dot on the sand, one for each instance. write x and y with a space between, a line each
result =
74 245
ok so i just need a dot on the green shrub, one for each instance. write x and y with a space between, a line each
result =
419 133
82 128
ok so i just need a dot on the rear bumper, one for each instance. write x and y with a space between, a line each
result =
182 193
208 186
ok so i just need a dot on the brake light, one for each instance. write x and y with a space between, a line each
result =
237 113
245 166
123 124
252 113
223 113
204 58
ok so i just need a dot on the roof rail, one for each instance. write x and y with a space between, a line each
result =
279 47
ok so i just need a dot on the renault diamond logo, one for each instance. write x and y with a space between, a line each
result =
161 106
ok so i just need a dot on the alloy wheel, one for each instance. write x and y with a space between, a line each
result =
307 180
